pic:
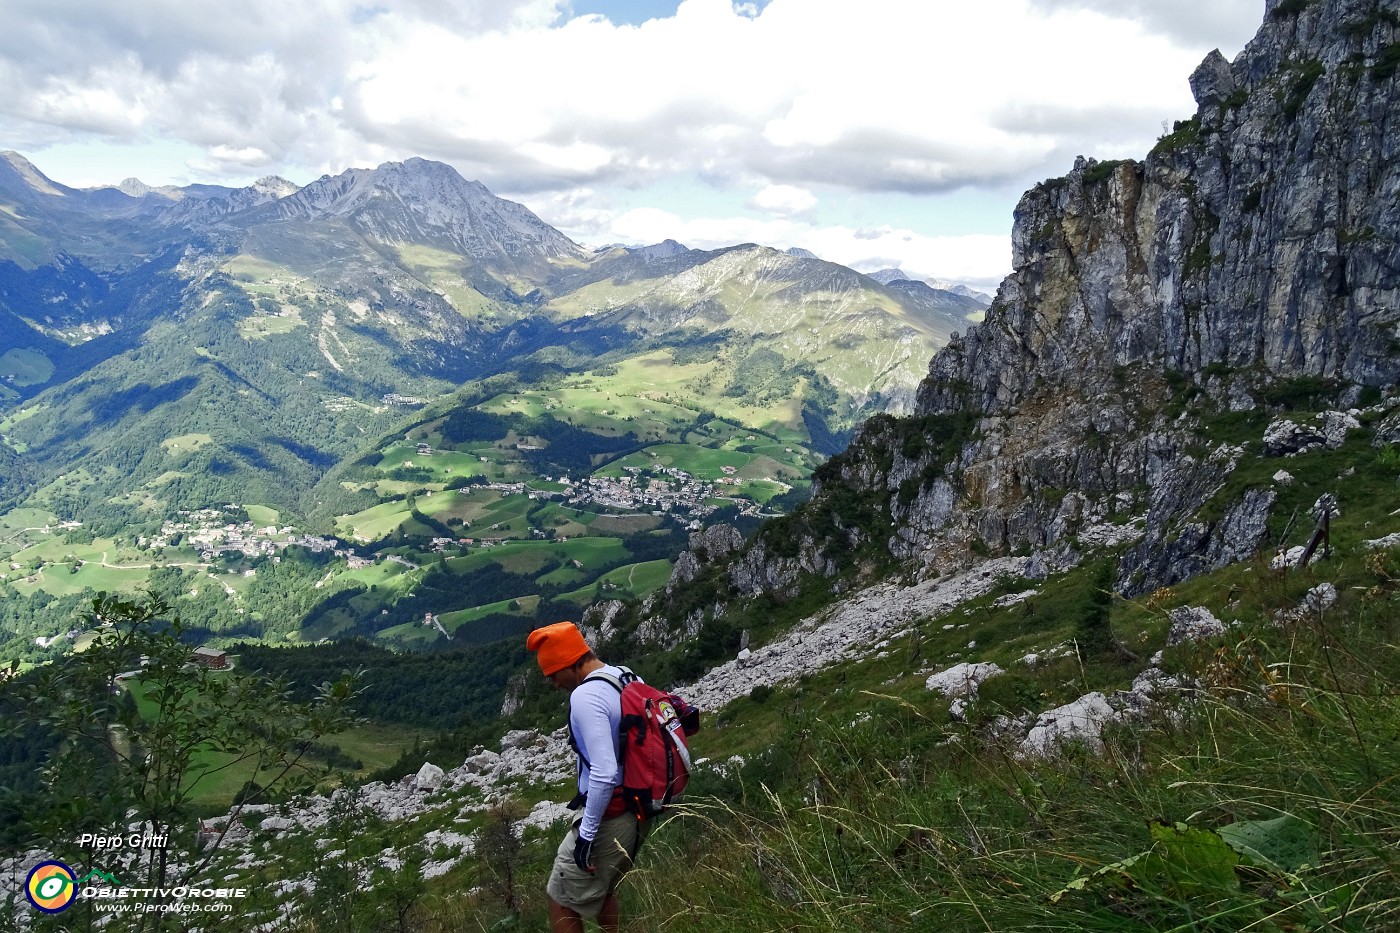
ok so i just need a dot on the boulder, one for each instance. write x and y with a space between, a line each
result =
1335 426
1083 720
481 763
1388 431
1193 623
1285 438
1321 597
520 738
962 680
1292 558
598 621
429 777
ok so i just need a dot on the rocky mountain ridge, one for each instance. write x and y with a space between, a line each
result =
1252 258
423 201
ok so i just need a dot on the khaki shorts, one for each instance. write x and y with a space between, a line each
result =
574 888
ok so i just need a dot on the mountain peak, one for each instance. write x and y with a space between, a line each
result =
30 176
800 253
135 187
423 201
663 250
274 185
886 276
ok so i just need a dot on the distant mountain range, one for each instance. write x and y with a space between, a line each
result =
275 320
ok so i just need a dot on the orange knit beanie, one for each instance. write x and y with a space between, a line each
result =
556 646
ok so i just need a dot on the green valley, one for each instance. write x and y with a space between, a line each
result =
295 426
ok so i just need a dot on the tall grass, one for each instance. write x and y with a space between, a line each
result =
1267 797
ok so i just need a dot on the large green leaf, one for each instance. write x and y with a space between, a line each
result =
1285 843
1195 860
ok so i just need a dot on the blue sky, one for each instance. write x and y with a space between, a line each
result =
889 132
627 12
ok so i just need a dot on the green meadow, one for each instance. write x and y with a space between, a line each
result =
25 367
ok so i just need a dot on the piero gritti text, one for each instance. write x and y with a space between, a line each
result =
116 841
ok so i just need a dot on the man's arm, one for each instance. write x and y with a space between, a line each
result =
591 706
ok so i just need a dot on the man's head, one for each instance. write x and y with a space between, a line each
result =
561 653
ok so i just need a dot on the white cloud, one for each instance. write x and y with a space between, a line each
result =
784 200
1189 22
903 96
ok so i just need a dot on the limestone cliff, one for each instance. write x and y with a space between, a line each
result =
1256 248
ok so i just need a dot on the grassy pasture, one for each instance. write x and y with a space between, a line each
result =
442 465
375 522
443 270
379 573
262 514
633 581
23 528
15 417
25 367
416 635
529 556
57 576
186 443
262 326
623 525
524 605
701 462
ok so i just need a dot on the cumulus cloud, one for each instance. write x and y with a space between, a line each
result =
901 97
784 200
1189 22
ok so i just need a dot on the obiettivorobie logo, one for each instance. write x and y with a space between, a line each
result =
52 887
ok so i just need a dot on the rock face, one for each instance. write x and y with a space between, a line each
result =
1255 248
707 546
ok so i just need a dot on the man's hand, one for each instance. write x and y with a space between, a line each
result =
583 855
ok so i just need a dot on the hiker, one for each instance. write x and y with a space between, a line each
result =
598 849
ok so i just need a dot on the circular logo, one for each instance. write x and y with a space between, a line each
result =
51 887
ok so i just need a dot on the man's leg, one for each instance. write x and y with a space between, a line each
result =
608 916
564 920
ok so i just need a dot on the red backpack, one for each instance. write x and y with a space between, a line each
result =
654 757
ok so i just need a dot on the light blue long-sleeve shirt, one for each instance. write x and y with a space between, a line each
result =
595 717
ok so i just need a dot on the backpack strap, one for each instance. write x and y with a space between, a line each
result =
617 683
612 680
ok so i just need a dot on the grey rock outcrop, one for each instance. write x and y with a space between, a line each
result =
1193 623
1284 438
1081 721
1212 82
707 546
1388 431
597 621
962 680
1254 251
